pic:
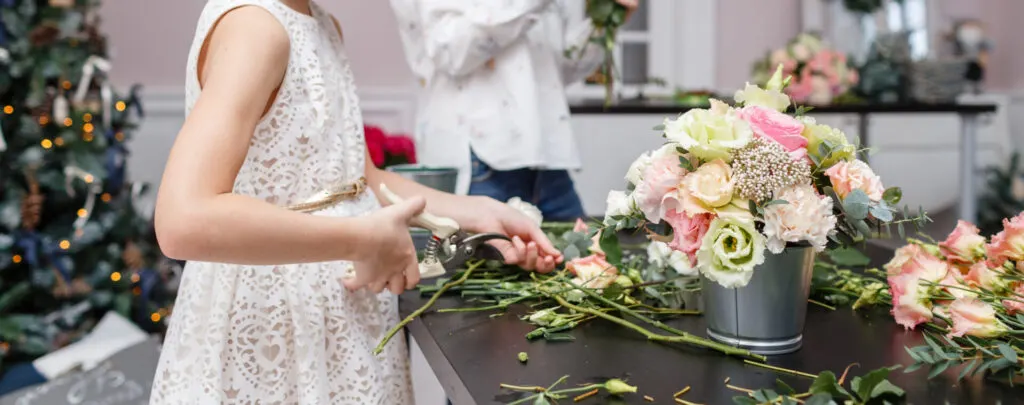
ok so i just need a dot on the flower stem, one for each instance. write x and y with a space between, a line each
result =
487 308
391 333
523 388
780 369
822 304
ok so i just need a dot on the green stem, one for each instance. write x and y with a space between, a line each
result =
391 333
780 369
503 305
822 304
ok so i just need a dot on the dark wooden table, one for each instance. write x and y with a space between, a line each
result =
472 354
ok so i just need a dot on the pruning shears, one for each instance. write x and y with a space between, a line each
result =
449 247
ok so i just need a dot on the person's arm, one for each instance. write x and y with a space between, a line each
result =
197 216
460 36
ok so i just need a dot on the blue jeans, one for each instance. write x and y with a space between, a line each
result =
552 191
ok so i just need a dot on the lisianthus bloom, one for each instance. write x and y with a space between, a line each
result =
972 317
595 246
856 175
805 216
663 256
964 245
709 189
619 204
781 128
731 248
916 261
656 191
957 286
1014 304
688 232
817 134
1008 244
592 272
983 276
709 133
910 303
771 96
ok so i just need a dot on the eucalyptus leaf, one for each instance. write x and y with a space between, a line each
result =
856 204
571 252
1007 352
967 369
912 368
685 163
881 212
848 256
939 369
900 230
892 195
935 347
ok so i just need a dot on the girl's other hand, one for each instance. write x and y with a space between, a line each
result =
389 257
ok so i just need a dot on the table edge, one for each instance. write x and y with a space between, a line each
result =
452 385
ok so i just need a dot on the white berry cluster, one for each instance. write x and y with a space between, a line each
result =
762 168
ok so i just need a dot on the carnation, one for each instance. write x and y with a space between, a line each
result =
763 168
805 216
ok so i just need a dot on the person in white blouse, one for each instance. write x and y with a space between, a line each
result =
494 74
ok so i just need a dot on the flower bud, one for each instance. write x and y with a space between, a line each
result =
543 317
623 281
616 386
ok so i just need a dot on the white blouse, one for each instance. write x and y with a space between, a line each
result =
493 74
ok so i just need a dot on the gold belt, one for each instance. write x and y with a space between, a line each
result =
327 198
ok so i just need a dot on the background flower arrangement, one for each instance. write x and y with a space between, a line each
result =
733 182
389 150
819 74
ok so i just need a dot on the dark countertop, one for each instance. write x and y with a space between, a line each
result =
472 353
668 107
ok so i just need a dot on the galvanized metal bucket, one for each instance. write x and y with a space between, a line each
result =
438 178
767 315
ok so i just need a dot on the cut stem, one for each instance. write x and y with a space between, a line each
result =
391 333
780 369
822 304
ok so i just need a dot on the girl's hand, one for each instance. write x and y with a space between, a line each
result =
389 257
530 248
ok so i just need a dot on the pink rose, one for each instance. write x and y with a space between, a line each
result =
964 245
973 317
1015 303
1008 244
656 192
852 77
688 232
774 125
915 261
855 175
592 272
909 307
800 87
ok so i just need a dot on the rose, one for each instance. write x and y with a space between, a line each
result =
1009 243
663 256
770 97
781 128
817 134
731 248
983 276
916 261
964 245
972 317
855 175
909 306
529 210
655 192
688 232
1014 304
619 204
709 189
709 134
805 216
821 91
592 272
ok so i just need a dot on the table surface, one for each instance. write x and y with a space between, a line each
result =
668 107
472 353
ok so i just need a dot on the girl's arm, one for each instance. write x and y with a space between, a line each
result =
198 217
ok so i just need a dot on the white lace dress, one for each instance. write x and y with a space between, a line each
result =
287 334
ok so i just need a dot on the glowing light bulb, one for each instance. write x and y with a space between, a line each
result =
115 276
47 144
120 106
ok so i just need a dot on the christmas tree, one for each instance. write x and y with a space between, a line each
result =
72 242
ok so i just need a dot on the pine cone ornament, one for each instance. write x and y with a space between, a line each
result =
32 206
45 34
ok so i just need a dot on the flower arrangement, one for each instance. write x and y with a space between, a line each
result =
388 150
966 293
820 74
735 181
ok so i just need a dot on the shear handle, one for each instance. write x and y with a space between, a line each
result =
441 227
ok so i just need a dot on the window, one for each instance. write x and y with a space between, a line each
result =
657 33
911 16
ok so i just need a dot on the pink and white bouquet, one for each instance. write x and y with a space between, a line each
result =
736 183
820 74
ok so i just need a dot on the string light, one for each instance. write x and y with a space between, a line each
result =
87 117
119 136
87 137
66 85
87 127
115 276
155 317
82 212
16 259
120 106
65 244
68 122
47 144
9 109
4 347
44 120
137 291
105 197
88 178
135 278
58 141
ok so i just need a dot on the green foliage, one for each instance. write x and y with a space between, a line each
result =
872 388
61 273
999 200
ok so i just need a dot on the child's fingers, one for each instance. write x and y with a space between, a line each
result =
376 286
397 284
546 264
412 277
531 255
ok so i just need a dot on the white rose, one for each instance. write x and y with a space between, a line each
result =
619 204
710 133
636 170
527 209
663 256
769 97
805 217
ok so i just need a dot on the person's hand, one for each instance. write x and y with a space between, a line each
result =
530 248
389 257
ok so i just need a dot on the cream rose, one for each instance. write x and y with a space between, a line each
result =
855 175
805 217
710 189
770 97
709 134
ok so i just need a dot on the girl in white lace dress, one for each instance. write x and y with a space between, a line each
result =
293 267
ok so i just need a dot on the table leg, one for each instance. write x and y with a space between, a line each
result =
968 156
863 122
